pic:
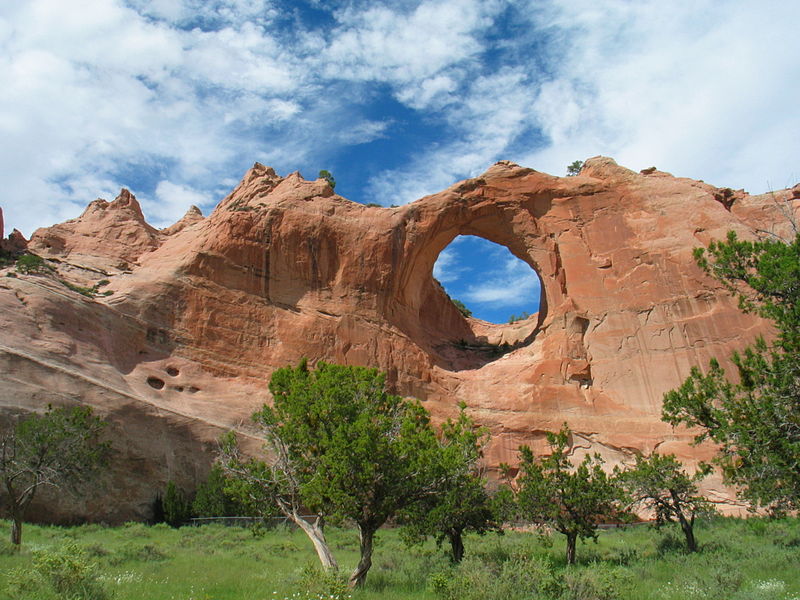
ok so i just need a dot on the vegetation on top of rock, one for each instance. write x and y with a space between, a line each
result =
574 168
29 264
327 176
462 308
520 317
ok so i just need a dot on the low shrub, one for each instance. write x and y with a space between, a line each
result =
29 264
65 572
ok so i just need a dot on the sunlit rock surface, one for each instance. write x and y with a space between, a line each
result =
198 315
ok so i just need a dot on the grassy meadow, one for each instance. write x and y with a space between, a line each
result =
754 559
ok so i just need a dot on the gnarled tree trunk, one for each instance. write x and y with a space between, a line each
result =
456 544
359 575
572 540
315 533
16 530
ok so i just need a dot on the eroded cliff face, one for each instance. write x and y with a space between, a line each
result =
202 312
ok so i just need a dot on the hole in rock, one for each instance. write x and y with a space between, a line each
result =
491 283
172 372
155 382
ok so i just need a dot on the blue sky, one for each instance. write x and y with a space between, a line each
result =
175 99
488 279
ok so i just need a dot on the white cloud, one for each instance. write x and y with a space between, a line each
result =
447 269
171 199
516 285
190 92
399 46
697 89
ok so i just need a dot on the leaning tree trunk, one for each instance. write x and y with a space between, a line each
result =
359 575
16 530
572 539
686 525
316 534
456 544
688 532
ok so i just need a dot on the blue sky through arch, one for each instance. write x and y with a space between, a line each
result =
493 283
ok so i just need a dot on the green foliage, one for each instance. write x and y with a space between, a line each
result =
327 176
345 449
513 578
574 168
659 483
462 307
29 264
177 509
756 422
571 500
319 584
741 559
89 292
213 497
6 258
520 317
60 448
62 573
462 503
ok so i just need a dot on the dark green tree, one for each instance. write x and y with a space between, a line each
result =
177 509
755 422
572 500
659 483
31 263
60 448
463 504
327 176
462 308
344 449
215 498
574 168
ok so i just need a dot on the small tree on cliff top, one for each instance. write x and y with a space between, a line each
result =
60 448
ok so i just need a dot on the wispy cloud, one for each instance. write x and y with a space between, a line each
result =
517 284
447 267
188 93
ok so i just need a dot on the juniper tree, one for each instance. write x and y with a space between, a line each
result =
572 500
756 421
60 448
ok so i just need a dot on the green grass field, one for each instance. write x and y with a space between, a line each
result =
755 559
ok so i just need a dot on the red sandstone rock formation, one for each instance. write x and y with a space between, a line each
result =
110 235
284 268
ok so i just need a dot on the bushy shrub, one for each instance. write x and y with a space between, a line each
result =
137 552
177 509
476 579
213 500
30 263
317 583
62 573
597 582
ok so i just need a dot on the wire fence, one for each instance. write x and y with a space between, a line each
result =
249 521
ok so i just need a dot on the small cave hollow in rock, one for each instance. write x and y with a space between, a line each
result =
155 383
